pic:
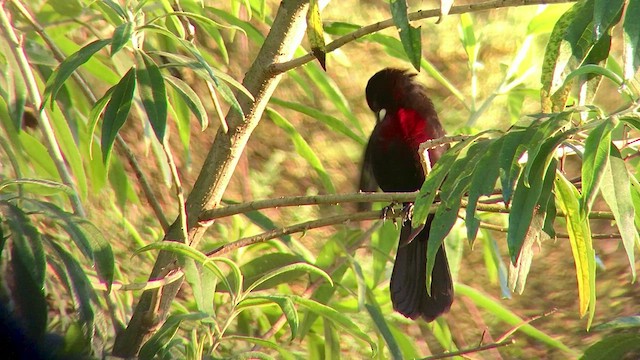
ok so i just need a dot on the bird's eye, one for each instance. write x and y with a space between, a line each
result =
381 114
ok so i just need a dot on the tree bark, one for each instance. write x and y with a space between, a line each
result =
284 37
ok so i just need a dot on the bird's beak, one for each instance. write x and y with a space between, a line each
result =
381 114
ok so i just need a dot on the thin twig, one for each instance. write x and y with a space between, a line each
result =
242 208
491 207
278 68
303 227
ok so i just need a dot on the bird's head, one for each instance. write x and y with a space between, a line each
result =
385 90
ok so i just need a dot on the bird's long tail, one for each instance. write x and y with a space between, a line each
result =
408 280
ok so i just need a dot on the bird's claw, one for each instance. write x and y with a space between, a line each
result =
389 209
408 212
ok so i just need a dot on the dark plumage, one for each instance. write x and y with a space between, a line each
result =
405 119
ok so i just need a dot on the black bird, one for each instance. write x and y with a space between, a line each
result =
406 118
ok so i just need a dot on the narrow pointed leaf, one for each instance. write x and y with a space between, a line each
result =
594 162
191 99
606 13
152 92
631 29
68 66
409 36
483 182
286 305
337 318
121 36
315 33
581 243
616 191
303 149
117 111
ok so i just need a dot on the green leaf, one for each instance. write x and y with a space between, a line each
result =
511 152
616 191
29 295
303 149
284 353
286 305
409 36
68 66
594 162
117 111
163 336
209 263
332 92
383 328
221 87
121 36
315 33
501 313
606 13
203 285
581 244
337 318
526 197
27 243
80 287
87 238
304 267
615 346
631 28
435 178
191 99
483 182
623 322
255 269
570 42
333 123
591 69
152 92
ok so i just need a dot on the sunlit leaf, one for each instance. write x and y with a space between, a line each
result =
286 305
303 149
501 313
191 99
308 268
315 33
68 66
203 285
631 30
606 13
581 244
338 318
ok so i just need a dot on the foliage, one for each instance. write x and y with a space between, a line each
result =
97 101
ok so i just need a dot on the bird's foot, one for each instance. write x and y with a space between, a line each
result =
408 212
389 209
